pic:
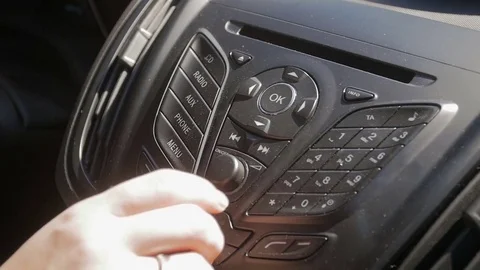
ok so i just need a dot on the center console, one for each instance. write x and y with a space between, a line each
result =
332 126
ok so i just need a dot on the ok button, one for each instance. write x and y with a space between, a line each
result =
277 98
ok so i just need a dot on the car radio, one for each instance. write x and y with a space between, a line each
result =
320 139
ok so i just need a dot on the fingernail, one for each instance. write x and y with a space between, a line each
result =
223 201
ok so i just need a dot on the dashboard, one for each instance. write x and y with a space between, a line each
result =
339 131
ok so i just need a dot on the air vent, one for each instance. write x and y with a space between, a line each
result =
453 240
98 130
458 249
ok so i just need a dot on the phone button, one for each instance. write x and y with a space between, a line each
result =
412 115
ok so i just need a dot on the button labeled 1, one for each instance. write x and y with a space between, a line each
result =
337 137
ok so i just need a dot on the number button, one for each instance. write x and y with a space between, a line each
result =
291 181
354 181
314 159
346 159
377 158
337 137
322 182
369 137
401 136
300 204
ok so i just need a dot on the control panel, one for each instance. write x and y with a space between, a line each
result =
182 118
265 114
332 140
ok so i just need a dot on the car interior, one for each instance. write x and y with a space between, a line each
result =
346 133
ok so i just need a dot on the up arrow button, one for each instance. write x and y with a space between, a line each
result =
293 74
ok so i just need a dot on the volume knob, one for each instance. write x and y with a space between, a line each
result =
226 171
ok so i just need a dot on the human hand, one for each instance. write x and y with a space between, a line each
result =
166 213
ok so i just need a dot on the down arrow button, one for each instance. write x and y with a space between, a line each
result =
260 123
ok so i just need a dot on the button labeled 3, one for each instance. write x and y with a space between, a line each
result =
401 136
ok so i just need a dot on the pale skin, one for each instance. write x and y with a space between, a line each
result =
166 213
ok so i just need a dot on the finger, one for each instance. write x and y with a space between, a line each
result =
164 188
184 261
174 229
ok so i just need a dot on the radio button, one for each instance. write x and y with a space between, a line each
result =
209 57
199 77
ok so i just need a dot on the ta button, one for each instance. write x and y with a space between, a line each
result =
277 98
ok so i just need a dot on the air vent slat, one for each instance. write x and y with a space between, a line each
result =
98 131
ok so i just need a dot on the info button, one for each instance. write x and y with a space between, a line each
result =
277 98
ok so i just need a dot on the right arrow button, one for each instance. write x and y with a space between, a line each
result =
305 108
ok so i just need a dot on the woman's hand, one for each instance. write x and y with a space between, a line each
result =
165 213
